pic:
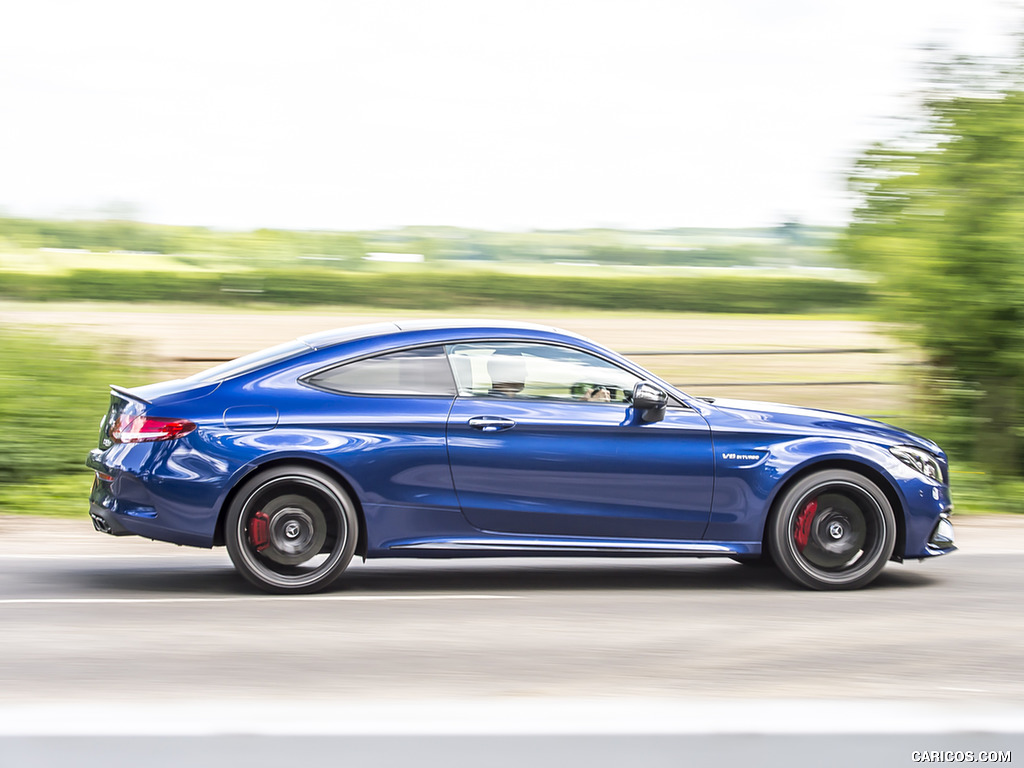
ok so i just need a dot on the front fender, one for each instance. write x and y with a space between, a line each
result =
749 480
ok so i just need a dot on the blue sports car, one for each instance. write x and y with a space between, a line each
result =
483 439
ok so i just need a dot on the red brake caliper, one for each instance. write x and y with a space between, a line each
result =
258 535
803 524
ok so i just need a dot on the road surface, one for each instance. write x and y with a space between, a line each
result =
106 641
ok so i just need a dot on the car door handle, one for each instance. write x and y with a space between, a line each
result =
491 423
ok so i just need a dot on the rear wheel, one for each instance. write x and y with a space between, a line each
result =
291 529
833 529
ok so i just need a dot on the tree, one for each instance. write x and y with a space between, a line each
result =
941 223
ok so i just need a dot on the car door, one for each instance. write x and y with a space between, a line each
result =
542 440
382 420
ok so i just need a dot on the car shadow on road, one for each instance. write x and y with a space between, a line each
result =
136 580
378 578
689 574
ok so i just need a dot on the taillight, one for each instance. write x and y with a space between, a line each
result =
146 429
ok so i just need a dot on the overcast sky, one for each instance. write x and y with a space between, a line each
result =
504 115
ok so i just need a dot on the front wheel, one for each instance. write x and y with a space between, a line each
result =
291 529
833 529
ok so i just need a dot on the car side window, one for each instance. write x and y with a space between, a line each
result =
422 371
538 371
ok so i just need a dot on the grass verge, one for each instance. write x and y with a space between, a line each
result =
53 392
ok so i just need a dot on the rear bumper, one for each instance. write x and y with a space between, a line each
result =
122 503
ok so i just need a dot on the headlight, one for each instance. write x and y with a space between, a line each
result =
917 459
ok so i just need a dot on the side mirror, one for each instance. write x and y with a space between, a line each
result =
649 401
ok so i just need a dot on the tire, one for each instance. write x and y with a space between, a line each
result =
291 529
833 529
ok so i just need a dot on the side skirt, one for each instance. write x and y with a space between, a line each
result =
512 546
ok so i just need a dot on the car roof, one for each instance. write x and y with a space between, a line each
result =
335 336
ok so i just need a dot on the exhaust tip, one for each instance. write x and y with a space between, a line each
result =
100 524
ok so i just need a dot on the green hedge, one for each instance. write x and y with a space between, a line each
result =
439 289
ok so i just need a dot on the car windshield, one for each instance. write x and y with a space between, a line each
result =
250 362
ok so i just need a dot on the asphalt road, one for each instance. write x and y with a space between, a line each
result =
104 637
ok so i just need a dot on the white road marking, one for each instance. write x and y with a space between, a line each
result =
490 716
176 555
241 599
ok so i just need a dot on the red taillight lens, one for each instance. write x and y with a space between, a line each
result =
146 429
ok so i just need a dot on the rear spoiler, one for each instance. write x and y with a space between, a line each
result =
129 394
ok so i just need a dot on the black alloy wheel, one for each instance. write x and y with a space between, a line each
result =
833 529
291 529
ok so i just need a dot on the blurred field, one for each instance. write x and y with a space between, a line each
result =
439 287
57 261
786 270
180 342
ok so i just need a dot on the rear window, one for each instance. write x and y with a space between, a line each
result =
423 371
250 362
